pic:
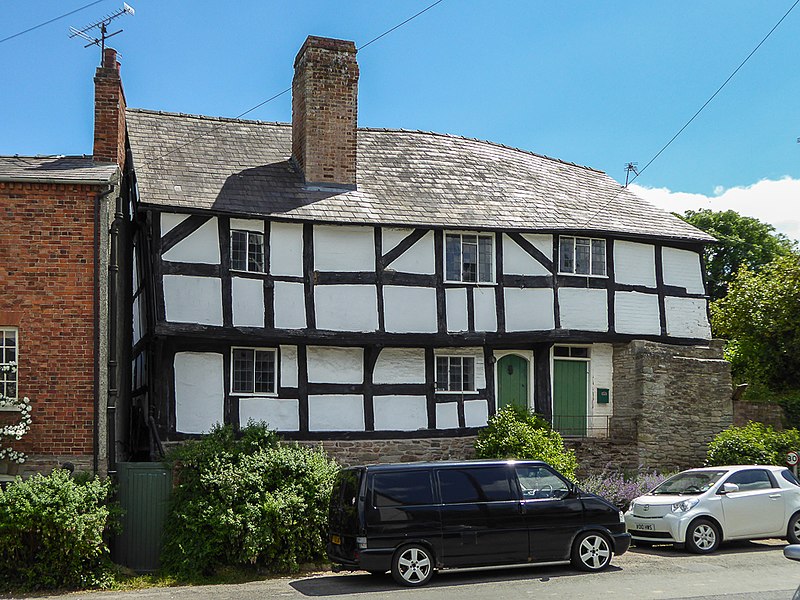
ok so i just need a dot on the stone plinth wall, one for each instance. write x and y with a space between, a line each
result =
675 400
762 412
360 452
596 455
45 463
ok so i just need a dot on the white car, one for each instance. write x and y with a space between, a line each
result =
703 507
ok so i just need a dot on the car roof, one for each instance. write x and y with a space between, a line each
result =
447 463
733 468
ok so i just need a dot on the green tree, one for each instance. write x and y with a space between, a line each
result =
760 317
743 241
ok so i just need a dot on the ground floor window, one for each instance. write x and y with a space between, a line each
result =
253 371
455 373
8 362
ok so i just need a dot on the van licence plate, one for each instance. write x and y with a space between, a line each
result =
335 539
645 527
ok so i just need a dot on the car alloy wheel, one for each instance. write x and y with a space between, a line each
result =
793 531
591 552
412 565
702 537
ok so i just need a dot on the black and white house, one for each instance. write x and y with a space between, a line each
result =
346 283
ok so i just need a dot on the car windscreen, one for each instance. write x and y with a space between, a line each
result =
689 483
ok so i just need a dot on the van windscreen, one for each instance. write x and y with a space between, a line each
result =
402 488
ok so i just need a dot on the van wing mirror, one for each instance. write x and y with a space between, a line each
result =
729 488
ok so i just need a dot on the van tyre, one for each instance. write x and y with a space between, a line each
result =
591 552
702 537
412 565
793 530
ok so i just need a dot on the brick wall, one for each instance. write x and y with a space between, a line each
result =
761 412
47 269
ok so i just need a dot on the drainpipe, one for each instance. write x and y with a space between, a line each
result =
113 338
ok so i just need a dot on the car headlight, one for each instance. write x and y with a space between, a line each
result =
685 506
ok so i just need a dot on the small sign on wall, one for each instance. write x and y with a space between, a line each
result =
602 395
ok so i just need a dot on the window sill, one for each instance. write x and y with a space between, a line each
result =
254 395
583 275
472 393
472 283
10 409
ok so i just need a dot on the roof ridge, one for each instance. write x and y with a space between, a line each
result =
89 156
166 113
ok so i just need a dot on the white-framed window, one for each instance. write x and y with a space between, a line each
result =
576 352
455 374
9 344
582 255
254 371
469 257
247 251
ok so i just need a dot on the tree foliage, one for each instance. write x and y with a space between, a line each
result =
753 444
744 241
760 317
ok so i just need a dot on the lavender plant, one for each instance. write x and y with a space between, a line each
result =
620 488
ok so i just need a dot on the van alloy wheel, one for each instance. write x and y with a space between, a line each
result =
591 552
412 565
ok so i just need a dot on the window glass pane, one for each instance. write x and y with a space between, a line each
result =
459 486
561 351
567 252
243 370
265 371
789 476
579 352
399 489
485 258
453 261
455 384
441 373
582 256
239 250
598 257
255 253
540 483
468 374
469 257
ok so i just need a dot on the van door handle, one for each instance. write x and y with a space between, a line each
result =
522 509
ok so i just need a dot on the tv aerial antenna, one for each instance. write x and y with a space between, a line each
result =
102 26
631 167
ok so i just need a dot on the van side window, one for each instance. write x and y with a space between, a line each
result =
402 488
487 484
541 483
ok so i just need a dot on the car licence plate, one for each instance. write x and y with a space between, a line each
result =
645 527
335 539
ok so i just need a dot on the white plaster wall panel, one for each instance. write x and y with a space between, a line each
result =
335 365
288 360
636 313
409 309
447 415
256 225
420 258
543 242
392 236
687 317
170 221
518 262
485 303
634 263
682 269
456 309
290 305
286 249
400 413
529 309
344 248
200 246
248 302
583 309
346 307
336 413
400 365
199 391
602 374
480 370
190 299
476 413
279 413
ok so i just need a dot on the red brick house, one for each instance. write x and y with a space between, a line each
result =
59 226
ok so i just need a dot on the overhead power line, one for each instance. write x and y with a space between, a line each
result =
286 91
694 116
72 12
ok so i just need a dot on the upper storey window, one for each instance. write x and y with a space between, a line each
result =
8 361
582 256
247 251
469 257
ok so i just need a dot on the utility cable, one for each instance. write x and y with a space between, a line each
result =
72 12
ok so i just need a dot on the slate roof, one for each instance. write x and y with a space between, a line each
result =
55 169
405 178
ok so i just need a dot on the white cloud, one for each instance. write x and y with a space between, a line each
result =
776 202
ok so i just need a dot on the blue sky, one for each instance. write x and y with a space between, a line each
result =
599 84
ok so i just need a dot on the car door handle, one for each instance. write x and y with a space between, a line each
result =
774 495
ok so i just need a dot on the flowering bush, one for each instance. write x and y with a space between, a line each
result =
620 488
15 430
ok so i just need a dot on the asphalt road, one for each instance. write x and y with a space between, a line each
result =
742 571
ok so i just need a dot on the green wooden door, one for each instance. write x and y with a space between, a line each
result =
512 382
569 396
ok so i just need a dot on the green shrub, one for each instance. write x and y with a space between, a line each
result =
247 501
512 433
753 444
51 532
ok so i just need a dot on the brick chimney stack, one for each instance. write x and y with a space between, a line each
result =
325 112
109 111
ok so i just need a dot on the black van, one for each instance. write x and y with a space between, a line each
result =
413 518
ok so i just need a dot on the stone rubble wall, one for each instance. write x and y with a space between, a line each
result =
761 412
